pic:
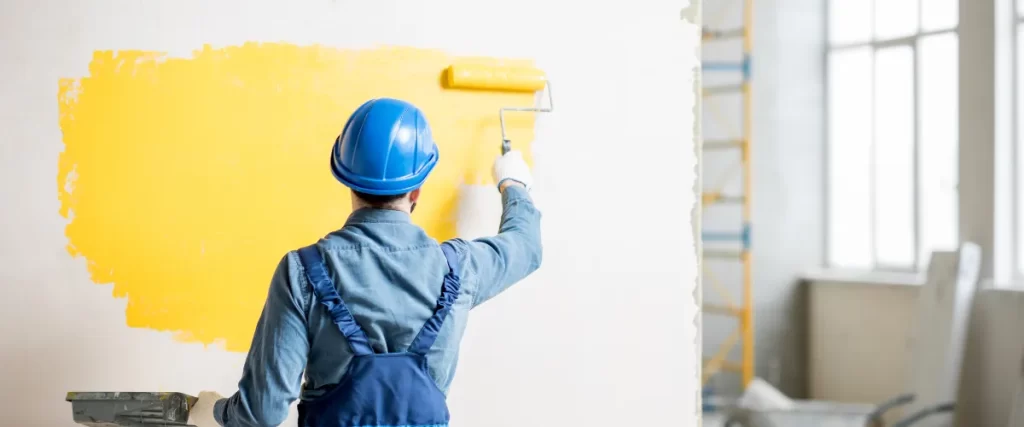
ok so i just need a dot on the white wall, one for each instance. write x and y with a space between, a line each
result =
603 335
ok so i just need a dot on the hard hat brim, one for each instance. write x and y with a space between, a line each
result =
388 187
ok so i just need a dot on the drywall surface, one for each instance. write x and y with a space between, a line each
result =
992 360
787 198
859 340
621 137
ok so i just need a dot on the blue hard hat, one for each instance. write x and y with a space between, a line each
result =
385 149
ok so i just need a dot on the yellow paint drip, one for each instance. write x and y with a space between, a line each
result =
187 180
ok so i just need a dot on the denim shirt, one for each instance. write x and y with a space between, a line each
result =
389 273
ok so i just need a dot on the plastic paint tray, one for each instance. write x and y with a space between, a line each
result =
129 409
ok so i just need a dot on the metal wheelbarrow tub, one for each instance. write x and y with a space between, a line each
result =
804 413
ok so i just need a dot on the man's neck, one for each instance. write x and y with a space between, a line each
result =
356 205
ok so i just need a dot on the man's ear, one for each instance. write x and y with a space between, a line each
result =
414 195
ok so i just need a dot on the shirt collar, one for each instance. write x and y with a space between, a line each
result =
369 215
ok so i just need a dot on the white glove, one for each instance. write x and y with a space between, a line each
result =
512 166
201 414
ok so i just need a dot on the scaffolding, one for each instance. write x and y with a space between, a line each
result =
743 334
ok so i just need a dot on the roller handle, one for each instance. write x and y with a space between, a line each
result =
506 146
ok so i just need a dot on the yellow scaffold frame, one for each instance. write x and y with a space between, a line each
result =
744 333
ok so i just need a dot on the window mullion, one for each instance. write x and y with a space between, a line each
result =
917 154
872 170
872 199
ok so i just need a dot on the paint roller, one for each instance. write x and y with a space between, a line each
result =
502 79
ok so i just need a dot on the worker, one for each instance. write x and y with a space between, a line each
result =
373 313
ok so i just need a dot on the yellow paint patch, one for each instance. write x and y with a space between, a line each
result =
186 180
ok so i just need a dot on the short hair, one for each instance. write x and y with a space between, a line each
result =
379 200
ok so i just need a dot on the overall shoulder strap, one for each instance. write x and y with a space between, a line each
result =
449 293
327 294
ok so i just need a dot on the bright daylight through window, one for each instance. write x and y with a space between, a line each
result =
892 132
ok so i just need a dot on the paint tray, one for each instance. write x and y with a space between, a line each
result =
130 409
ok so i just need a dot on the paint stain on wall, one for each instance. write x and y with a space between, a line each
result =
186 180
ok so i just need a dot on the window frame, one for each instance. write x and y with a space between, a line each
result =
875 44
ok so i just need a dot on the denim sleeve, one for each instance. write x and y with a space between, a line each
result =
272 375
500 261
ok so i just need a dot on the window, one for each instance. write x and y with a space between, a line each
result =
892 132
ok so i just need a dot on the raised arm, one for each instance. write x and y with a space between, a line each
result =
502 260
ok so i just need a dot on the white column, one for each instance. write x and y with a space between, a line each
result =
985 108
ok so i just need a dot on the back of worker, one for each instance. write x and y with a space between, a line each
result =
389 273
372 314
376 387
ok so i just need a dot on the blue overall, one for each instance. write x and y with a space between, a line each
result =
378 390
